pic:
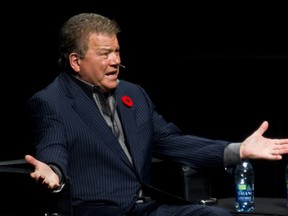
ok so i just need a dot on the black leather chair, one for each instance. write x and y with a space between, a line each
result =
181 180
21 195
190 184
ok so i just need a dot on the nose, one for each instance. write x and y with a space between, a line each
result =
115 58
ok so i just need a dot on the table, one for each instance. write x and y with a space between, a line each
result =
263 206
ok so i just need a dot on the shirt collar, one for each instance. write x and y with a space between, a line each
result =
91 89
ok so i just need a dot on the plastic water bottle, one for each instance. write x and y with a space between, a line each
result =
244 185
286 177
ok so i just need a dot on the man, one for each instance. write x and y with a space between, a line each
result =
102 132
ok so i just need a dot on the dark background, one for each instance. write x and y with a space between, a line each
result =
215 69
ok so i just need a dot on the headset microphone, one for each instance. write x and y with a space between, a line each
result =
121 65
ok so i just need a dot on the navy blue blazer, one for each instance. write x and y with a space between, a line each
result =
71 133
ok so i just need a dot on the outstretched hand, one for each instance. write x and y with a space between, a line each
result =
256 146
43 173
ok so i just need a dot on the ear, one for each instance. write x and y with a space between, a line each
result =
74 62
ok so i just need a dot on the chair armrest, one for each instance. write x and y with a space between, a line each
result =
180 180
23 196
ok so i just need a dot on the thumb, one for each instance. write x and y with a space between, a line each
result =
263 127
31 160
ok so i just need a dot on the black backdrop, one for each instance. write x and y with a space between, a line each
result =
215 69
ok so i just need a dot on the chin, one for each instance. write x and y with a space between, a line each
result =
111 87
114 85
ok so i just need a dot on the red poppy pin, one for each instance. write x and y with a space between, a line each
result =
127 101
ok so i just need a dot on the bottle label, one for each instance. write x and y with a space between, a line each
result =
287 187
244 193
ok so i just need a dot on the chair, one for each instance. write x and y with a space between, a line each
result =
181 180
23 196
190 184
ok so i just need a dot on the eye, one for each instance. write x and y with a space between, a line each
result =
104 54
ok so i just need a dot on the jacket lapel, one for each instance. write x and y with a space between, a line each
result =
89 112
126 115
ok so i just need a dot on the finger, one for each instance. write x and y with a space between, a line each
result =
31 160
44 181
263 127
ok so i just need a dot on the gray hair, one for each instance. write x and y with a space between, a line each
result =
74 34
